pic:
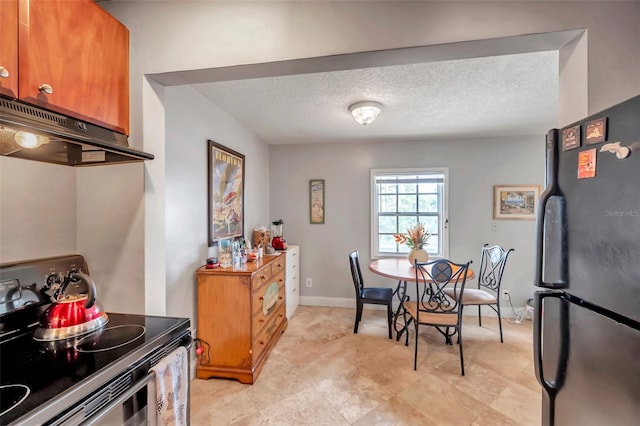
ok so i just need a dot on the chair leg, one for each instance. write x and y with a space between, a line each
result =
389 319
358 317
460 344
461 307
415 354
479 316
500 322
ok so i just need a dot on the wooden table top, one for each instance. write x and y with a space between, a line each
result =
399 268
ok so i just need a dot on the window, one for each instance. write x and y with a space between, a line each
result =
402 197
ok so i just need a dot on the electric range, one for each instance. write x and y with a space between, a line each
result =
81 378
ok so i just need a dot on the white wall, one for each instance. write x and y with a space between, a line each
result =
191 120
110 226
174 36
474 167
171 36
37 209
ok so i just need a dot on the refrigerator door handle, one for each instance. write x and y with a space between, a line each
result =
552 190
551 386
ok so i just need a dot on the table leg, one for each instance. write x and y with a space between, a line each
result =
401 293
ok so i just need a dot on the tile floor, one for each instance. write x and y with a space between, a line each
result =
320 373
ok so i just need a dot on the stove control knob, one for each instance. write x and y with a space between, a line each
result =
53 283
53 279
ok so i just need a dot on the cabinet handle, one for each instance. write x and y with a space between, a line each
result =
280 297
45 88
261 320
261 342
4 73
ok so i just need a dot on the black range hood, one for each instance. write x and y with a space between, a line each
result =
62 140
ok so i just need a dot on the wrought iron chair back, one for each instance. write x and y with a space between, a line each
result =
492 263
432 278
433 307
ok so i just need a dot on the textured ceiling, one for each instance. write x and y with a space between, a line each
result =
504 95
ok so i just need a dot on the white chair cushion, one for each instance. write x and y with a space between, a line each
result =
473 296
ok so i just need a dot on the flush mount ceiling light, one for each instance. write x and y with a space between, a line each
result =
365 112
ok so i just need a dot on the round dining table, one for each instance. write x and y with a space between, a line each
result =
399 268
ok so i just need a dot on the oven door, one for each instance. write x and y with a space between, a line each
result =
123 401
129 409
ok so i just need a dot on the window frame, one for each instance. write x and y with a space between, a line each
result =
444 214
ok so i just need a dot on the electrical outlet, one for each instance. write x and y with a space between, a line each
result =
505 294
309 282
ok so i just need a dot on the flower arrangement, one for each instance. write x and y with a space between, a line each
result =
415 238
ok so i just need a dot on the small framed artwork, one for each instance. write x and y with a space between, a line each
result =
587 163
515 201
570 138
316 201
596 131
226 193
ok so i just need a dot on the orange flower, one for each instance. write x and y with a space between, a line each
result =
415 238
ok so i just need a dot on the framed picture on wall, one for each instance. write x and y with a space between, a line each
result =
515 201
226 193
316 201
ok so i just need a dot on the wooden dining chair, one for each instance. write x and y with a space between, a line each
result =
432 306
371 295
492 263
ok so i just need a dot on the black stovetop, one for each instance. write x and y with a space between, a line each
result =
59 374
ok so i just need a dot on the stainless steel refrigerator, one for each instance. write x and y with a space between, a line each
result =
587 310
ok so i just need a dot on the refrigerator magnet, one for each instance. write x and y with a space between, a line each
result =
571 138
587 164
596 131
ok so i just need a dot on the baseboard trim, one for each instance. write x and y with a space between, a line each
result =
344 302
329 302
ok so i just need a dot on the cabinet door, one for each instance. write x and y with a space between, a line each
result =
9 49
82 54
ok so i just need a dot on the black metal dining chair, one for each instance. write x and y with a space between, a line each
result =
432 306
492 263
371 295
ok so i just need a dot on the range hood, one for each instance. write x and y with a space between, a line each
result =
58 139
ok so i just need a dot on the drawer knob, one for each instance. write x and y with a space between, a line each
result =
45 88
4 73
261 320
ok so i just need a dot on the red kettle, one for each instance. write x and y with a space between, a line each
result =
72 312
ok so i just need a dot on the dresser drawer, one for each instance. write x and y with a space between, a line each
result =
278 265
266 334
267 299
261 277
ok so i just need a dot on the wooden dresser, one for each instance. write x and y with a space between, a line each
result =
241 315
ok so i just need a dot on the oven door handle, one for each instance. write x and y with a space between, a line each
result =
122 398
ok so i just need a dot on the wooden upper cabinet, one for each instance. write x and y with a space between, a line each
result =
9 48
74 59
